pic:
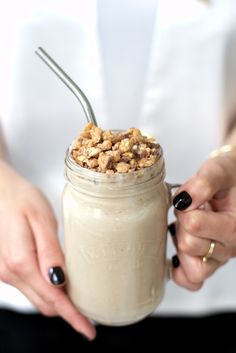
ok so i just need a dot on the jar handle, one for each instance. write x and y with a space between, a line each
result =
171 189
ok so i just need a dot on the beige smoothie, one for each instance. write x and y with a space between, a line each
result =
115 237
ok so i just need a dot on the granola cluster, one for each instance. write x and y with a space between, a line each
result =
114 152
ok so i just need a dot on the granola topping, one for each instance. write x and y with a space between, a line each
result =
114 152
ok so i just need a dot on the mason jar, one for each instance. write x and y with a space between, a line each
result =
115 230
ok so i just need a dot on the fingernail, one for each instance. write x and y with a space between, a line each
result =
182 201
175 261
56 275
172 229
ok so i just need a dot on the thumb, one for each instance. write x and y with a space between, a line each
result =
211 179
50 255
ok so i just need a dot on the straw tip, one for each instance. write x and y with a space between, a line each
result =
38 50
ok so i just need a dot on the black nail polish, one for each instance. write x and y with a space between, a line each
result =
172 229
182 201
56 275
175 261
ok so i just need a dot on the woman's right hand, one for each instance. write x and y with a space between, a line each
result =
29 249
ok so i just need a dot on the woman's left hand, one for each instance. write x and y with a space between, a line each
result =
206 221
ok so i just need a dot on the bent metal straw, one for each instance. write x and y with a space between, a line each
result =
69 83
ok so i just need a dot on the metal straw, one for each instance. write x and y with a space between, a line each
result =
69 83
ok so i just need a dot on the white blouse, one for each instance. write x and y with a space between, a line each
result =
161 65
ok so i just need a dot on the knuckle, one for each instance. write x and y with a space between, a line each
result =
46 311
38 217
186 244
229 239
12 264
44 218
232 223
233 252
4 274
192 223
52 220
47 252
228 253
220 170
196 286
53 299
49 300
204 186
59 302
17 264
196 276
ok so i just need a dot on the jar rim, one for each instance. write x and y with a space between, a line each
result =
138 176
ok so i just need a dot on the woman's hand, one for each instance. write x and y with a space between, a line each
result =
206 213
30 255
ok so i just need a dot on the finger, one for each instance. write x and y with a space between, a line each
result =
21 261
195 269
219 226
18 252
35 299
211 178
50 255
194 246
58 299
14 280
180 278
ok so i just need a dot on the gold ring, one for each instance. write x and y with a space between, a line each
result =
210 252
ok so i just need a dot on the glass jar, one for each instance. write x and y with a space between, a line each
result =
115 230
